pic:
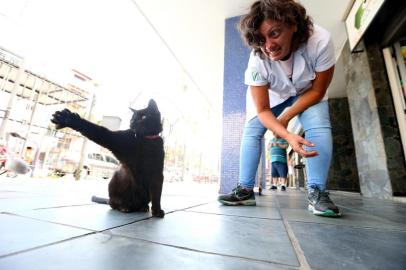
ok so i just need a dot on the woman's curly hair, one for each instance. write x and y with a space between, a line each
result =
287 12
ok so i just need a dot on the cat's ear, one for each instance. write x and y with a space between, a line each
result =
152 105
134 111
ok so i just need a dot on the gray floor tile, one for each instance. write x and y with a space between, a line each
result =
385 209
18 233
109 252
397 215
52 188
348 218
361 202
260 239
197 232
26 194
265 196
172 203
261 210
340 247
29 203
9 194
292 202
95 217
395 212
289 192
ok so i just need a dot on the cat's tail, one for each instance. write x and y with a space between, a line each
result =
100 200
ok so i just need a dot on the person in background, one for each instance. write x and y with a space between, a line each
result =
3 154
29 155
277 148
289 70
291 173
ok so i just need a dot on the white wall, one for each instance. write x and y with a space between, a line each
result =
194 30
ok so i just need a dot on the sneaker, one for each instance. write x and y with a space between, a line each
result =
283 188
238 196
321 204
273 188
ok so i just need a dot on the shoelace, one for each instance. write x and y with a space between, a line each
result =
324 197
321 195
237 190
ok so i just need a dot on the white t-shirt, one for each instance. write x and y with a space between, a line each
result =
287 66
315 56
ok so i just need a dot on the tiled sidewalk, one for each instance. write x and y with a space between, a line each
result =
51 224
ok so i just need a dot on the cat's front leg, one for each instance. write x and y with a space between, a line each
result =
155 193
114 141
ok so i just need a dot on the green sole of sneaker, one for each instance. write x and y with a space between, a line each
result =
244 203
328 213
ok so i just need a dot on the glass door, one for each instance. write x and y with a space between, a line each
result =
395 62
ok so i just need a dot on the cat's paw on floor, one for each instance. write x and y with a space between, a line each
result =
160 213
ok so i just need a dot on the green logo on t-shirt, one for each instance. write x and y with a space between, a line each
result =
255 75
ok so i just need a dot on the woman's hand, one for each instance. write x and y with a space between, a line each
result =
297 142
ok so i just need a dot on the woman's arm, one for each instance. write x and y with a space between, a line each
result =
261 100
310 97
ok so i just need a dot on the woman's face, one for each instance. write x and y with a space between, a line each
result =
277 39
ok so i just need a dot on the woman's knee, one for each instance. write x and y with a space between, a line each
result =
253 129
316 117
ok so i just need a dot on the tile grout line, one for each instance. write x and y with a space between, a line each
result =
351 226
189 207
230 215
62 206
76 227
47 221
304 265
47 245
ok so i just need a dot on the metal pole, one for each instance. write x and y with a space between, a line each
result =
34 89
21 71
83 150
5 78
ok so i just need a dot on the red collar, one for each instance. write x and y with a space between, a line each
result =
152 137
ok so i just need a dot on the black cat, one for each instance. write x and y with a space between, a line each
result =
140 150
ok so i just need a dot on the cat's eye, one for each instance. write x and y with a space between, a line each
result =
143 117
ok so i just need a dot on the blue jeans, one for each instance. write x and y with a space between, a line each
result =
315 121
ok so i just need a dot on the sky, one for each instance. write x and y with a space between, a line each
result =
109 41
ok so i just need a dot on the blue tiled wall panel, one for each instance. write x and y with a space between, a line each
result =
236 56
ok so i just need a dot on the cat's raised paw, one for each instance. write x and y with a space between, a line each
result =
64 118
